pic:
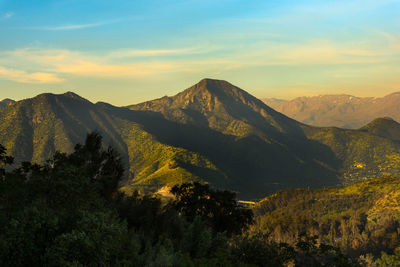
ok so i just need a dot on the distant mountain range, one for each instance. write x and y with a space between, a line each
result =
343 111
213 132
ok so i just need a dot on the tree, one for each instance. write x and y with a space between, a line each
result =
310 253
104 168
389 260
4 160
218 209
57 213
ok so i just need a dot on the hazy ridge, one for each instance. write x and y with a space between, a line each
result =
344 111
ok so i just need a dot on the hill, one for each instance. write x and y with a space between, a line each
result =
360 218
34 129
213 132
6 102
384 127
344 111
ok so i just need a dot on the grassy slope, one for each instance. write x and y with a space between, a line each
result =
154 164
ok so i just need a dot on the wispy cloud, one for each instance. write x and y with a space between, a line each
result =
104 70
154 52
134 63
79 64
25 77
393 40
7 15
322 8
106 65
68 27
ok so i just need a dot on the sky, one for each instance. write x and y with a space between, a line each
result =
126 52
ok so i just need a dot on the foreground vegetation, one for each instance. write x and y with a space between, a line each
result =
362 219
69 212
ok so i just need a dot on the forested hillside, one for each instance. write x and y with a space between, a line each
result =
361 219
69 212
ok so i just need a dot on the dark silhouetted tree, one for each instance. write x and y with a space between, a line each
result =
218 209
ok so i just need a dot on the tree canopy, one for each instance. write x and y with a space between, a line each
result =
69 212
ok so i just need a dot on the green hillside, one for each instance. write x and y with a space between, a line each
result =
363 217
213 132
33 129
362 155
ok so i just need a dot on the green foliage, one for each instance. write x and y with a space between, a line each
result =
55 214
4 160
218 209
310 253
360 219
389 260
258 250
68 212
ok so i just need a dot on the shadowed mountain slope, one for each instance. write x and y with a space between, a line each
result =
212 131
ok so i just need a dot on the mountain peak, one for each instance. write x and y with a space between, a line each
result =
214 82
75 96
384 127
394 93
213 86
222 106
215 90
52 97
71 94
6 102
379 121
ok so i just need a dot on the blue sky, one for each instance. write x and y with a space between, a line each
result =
125 52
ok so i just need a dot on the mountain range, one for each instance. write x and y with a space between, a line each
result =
343 111
213 132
